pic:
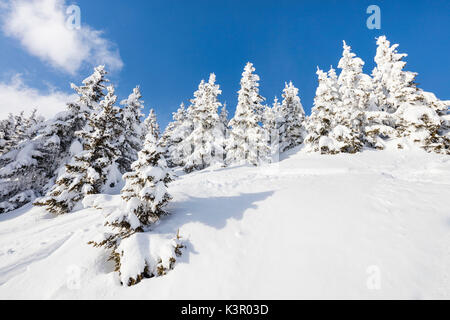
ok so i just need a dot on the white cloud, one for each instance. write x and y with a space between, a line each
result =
40 26
16 96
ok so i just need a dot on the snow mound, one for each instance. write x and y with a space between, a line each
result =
373 225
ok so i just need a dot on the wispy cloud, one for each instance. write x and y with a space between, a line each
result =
40 26
16 96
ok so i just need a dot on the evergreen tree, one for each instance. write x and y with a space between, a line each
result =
133 131
424 121
293 133
350 114
321 122
224 120
151 125
94 170
26 168
391 86
207 139
174 136
145 197
41 148
18 128
273 125
90 93
7 134
404 110
247 141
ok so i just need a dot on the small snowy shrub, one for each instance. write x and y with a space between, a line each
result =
137 254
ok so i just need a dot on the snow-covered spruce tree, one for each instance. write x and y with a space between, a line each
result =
174 135
424 121
403 109
206 141
293 133
7 134
133 131
29 169
273 124
63 128
151 125
94 170
224 120
354 92
321 122
90 93
247 141
18 128
391 86
24 171
145 197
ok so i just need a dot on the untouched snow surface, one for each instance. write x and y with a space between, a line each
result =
373 225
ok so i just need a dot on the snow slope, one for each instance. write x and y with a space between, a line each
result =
311 226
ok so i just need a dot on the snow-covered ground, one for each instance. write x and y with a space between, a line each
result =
372 225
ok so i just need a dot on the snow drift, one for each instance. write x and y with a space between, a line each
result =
374 225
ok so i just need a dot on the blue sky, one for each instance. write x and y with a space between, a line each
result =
168 46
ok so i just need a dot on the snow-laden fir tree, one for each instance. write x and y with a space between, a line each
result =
42 148
145 197
403 109
424 121
133 131
18 128
354 92
151 125
391 86
95 169
206 141
7 134
273 124
293 133
21 175
174 136
10 132
247 142
29 166
224 120
90 93
321 122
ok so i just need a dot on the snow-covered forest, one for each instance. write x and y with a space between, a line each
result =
101 147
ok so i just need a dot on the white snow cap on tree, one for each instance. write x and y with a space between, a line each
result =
207 138
247 142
